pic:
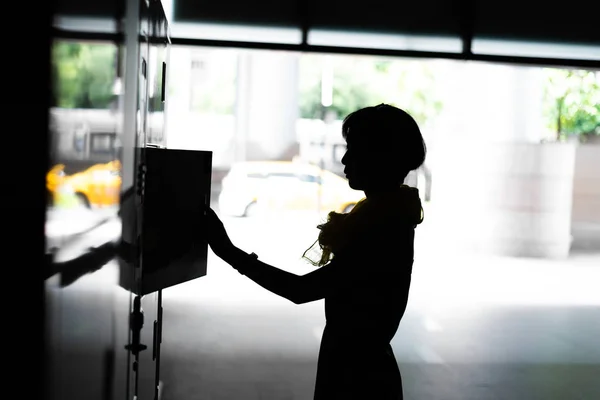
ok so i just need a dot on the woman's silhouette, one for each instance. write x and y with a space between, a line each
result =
365 258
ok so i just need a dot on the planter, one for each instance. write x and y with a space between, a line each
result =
585 222
509 199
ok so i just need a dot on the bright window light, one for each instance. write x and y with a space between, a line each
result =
243 33
533 49
85 24
385 41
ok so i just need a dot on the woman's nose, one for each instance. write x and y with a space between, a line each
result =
345 158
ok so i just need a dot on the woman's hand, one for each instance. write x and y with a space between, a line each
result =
216 235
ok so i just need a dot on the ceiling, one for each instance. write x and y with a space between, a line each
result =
525 31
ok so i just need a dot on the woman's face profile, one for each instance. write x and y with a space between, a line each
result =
360 166
350 169
367 166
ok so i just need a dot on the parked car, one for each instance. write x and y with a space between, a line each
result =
283 185
96 186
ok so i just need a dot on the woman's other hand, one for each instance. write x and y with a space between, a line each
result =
216 235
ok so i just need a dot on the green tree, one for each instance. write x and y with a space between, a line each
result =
83 74
572 102
360 81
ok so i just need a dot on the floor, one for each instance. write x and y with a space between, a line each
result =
477 327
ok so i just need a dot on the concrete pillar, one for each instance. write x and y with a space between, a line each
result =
489 102
177 106
242 106
497 189
267 105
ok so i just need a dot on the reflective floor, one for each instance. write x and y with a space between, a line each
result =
476 327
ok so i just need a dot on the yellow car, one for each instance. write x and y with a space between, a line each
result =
283 185
96 186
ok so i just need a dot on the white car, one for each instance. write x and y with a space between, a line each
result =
284 185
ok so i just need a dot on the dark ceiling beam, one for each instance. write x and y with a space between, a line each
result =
87 36
467 26
518 60
305 47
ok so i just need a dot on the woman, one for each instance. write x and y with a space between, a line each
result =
365 258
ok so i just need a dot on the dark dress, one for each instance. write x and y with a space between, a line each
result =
366 290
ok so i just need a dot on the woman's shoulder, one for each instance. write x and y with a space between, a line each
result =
392 229
383 240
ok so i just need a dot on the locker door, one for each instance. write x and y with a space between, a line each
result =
145 308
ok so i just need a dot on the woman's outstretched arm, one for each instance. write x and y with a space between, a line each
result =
299 289
296 288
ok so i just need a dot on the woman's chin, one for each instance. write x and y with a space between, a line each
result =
354 185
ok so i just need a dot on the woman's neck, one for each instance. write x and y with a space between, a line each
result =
380 192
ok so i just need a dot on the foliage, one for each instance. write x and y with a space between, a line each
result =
572 102
361 81
83 74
